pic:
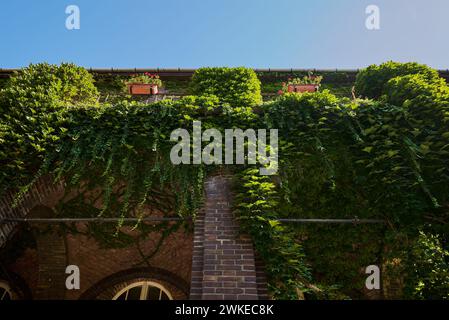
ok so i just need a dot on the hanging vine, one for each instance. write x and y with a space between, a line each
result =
338 159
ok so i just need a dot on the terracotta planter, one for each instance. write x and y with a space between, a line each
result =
154 89
142 88
303 87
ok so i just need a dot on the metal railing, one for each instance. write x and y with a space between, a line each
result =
169 219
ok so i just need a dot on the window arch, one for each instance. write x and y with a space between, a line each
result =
143 290
5 291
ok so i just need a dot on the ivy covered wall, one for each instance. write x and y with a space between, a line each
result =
339 158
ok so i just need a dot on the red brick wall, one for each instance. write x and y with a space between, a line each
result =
43 192
27 267
45 276
222 259
43 269
175 256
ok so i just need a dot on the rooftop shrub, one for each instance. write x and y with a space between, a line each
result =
32 106
370 82
292 112
407 88
46 85
238 87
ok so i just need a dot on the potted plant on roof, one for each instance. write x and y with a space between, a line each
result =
143 84
309 83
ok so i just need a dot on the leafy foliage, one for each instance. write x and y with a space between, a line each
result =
147 78
370 82
126 147
32 117
407 88
284 257
365 159
310 79
238 87
48 86
428 268
338 159
289 275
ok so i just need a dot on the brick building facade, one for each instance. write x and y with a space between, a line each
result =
215 261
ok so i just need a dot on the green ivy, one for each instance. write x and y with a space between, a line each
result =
339 158
48 86
428 268
238 87
370 82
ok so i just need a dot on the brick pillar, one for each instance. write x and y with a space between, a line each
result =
52 257
52 264
261 279
223 264
196 282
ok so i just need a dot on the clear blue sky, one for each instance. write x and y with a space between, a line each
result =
253 33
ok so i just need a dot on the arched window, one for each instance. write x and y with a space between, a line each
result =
143 290
5 291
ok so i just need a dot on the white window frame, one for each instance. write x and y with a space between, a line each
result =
144 292
5 285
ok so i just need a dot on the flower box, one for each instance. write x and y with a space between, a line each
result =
142 88
303 87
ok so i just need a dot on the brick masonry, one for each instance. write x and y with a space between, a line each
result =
217 261
43 192
99 265
104 271
52 263
223 262
42 269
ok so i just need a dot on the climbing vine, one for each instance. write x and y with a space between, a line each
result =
385 159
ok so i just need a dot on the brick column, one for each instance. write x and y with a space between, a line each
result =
52 257
52 264
223 264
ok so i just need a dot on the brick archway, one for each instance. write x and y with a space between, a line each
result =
43 192
51 250
106 288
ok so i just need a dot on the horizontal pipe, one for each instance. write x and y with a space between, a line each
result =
94 220
343 221
159 219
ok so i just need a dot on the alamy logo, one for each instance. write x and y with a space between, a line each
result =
372 22
372 282
72 282
72 22
258 151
